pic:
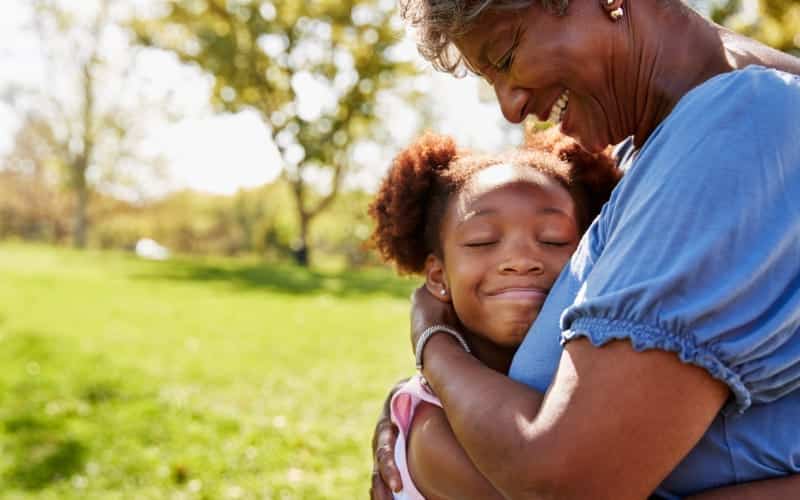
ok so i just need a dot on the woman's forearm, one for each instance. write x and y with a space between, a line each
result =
476 400
612 426
440 468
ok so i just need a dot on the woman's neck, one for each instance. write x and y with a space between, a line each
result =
674 50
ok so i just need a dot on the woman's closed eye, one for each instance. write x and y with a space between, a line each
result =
503 64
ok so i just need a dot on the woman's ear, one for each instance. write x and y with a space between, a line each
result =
435 280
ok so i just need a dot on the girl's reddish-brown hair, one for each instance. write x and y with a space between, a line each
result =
413 196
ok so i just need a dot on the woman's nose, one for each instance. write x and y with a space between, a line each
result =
512 100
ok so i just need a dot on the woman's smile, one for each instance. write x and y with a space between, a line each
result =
559 109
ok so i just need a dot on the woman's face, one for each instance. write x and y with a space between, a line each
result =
505 238
554 67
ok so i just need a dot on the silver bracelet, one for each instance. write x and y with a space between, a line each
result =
430 332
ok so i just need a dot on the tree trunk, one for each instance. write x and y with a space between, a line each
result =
300 251
305 213
81 164
80 223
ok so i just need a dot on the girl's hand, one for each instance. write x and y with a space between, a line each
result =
385 475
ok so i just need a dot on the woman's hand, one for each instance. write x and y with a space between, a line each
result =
385 475
427 310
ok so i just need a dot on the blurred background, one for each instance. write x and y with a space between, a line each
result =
188 308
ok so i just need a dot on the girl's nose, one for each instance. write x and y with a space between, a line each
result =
523 263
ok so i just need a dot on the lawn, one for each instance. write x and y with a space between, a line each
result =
191 378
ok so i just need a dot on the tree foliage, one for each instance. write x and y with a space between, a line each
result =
776 24
313 70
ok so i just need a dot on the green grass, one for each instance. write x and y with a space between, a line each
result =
121 378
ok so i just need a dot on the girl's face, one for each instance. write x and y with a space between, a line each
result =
505 238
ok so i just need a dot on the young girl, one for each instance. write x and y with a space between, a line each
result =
490 234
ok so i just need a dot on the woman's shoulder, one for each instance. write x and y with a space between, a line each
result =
737 98
734 118
752 80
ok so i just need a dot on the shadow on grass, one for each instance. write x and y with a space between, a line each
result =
42 453
286 278
40 449
39 408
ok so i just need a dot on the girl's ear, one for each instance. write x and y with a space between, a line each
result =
435 280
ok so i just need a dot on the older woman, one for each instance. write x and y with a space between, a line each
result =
670 345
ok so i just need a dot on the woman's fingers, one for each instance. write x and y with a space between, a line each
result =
385 465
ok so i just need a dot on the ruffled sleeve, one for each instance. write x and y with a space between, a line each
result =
698 252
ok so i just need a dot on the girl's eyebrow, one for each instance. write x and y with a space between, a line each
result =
481 212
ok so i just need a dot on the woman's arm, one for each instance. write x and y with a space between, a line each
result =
430 312
614 423
441 468
450 474
438 464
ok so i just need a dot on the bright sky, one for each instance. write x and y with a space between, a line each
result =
221 153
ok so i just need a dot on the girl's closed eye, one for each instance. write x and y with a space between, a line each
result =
554 243
480 239
480 242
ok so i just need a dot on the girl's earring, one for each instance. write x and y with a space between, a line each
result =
613 8
443 292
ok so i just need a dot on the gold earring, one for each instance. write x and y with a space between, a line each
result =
613 8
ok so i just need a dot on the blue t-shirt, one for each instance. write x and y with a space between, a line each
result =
698 252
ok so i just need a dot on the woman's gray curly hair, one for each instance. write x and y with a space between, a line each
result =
439 21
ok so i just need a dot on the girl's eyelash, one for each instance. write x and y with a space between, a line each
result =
479 244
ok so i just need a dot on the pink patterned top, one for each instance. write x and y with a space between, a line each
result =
404 404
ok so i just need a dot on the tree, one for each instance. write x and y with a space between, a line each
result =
31 206
775 23
313 70
80 108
